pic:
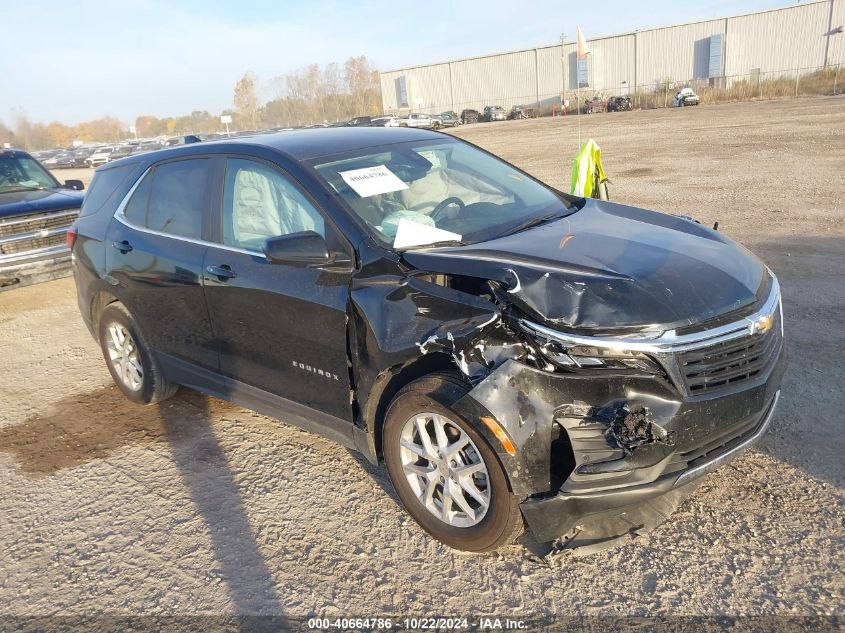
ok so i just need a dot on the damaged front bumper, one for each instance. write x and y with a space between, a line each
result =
604 455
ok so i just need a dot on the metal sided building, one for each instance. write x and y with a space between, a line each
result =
779 42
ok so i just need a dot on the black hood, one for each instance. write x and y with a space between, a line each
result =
20 202
611 266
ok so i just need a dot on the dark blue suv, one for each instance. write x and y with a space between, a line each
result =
35 213
514 355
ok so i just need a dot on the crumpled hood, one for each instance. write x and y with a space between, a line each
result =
610 266
20 202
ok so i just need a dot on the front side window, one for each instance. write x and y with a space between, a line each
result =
260 202
171 198
463 193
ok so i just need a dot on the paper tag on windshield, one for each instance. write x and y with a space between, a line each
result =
372 181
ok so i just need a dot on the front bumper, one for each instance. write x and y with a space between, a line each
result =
611 476
587 518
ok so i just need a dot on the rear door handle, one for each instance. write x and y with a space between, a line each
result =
222 272
124 246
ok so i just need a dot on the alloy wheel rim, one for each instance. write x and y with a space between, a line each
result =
124 357
444 469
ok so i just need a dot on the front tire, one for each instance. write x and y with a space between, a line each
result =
129 359
444 471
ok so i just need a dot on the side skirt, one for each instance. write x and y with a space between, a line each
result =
206 381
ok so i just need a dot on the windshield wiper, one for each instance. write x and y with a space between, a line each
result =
531 222
435 245
20 187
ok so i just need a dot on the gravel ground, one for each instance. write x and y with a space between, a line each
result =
200 507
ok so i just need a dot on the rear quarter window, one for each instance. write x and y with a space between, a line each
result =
103 188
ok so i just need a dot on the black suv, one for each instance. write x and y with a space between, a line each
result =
513 354
35 213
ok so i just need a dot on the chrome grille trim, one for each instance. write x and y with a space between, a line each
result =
669 348
667 342
35 236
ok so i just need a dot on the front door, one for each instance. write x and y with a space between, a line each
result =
280 328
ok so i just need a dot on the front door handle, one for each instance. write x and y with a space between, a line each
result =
222 272
124 246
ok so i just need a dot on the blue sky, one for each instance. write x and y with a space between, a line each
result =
77 61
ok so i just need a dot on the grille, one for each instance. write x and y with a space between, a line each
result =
37 222
24 246
726 364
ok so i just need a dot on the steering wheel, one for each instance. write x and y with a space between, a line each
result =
448 202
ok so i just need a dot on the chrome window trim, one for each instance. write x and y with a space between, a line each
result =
668 342
120 216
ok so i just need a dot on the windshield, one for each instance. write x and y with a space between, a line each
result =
423 193
19 173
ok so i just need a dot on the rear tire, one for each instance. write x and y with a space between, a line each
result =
442 481
129 359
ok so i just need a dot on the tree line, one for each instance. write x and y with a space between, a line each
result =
314 94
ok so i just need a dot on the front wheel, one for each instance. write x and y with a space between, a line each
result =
129 359
444 471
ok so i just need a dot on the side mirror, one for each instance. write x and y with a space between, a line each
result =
76 185
305 248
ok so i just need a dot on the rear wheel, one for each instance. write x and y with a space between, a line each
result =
128 357
446 474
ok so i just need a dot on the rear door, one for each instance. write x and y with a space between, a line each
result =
282 328
155 253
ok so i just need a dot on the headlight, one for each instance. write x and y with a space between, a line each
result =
583 356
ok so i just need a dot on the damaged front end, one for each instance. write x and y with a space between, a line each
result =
607 431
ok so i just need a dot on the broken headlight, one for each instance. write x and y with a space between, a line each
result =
584 357
580 355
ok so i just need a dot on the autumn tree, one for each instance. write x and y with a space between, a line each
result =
246 100
333 93
7 136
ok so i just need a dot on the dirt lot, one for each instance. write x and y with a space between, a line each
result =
200 507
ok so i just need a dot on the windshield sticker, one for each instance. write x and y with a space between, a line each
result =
410 233
372 181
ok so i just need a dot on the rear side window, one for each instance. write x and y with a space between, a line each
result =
103 187
171 199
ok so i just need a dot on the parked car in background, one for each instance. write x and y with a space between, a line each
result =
121 151
594 104
385 121
416 120
521 112
685 97
35 213
469 115
101 156
493 113
64 160
618 104
361 121
448 119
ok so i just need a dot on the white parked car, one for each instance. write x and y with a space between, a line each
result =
417 120
100 157
685 97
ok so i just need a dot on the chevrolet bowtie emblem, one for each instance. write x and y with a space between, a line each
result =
762 324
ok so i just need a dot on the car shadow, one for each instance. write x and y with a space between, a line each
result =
205 471
83 428
379 476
